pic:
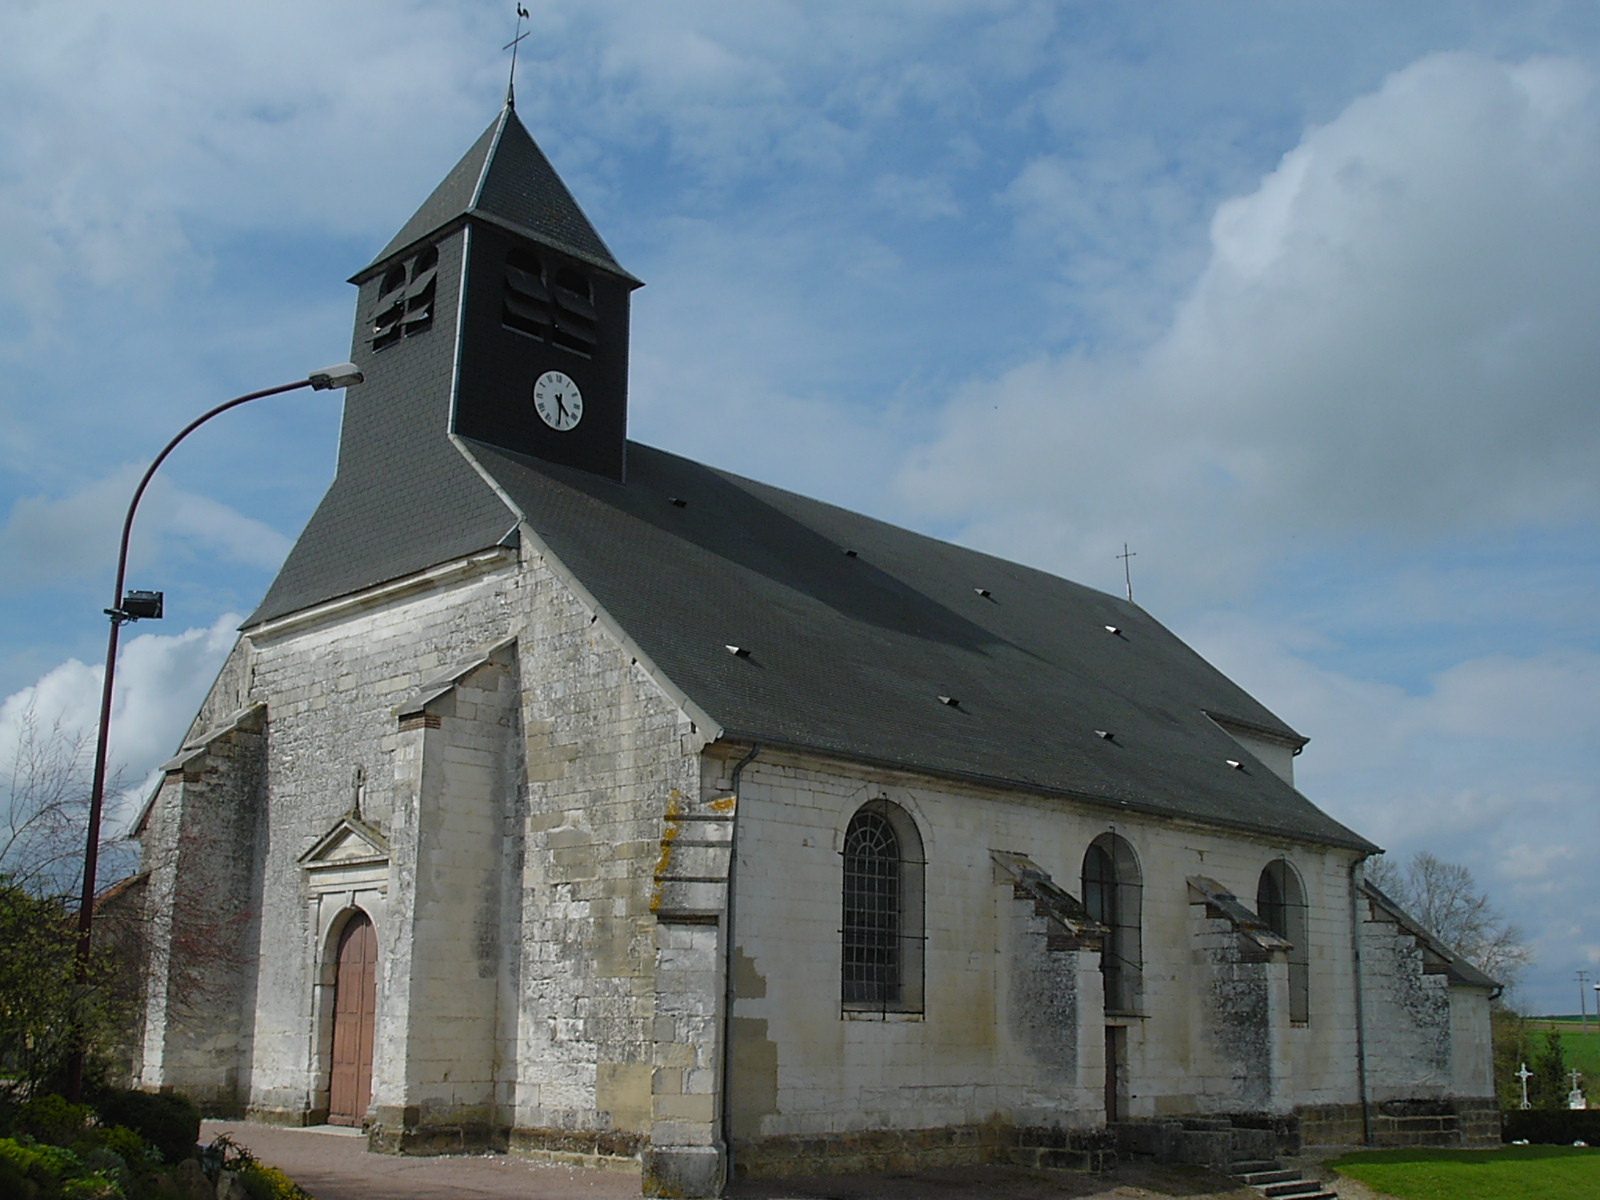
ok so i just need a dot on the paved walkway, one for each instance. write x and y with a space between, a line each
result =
333 1164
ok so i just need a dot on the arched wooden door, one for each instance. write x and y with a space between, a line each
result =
355 1006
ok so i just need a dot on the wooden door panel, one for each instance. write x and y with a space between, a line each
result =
355 1006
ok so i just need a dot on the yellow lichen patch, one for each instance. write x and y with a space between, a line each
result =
671 827
725 805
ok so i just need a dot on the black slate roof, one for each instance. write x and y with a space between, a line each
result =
860 639
851 655
505 178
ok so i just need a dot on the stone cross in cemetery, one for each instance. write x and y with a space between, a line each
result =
1576 1098
1524 1074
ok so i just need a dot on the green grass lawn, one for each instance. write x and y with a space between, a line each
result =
1509 1173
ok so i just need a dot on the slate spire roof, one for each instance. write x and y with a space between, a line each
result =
505 179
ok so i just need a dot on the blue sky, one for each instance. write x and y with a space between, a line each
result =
1297 300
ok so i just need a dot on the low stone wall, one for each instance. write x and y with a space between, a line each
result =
923 1149
1472 1124
1206 1141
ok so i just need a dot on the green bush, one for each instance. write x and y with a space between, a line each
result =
269 1183
31 1169
168 1121
139 1154
52 1119
261 1182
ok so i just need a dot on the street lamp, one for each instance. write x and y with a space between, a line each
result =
134 606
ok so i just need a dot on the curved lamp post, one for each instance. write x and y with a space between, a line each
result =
131 606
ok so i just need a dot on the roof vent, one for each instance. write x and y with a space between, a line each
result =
738 651
984 592
1115 630
677 502
950 700
1235 764
850 554
1106 734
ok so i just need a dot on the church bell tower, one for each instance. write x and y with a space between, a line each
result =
500 291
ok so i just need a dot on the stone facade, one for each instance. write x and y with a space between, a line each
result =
544 842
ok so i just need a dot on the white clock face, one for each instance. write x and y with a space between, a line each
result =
557 400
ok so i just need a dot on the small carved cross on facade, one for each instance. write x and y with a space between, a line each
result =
1524 1074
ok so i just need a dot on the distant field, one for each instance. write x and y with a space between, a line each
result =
1582 1049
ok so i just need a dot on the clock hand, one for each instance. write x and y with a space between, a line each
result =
560 407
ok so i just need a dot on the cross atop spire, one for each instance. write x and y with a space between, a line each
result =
511 81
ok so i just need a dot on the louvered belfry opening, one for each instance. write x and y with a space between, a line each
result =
405 299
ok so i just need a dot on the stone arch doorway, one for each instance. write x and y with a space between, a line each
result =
355 1007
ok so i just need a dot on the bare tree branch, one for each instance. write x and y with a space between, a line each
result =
1448 902
44 810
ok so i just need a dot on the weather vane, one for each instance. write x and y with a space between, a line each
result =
511 82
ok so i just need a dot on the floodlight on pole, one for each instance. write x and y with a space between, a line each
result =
135 606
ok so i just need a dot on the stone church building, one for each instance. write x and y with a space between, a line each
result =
567 795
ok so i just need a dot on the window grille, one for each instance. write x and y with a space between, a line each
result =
881 942
1113 896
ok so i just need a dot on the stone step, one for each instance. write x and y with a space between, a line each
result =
1247 1166
1262 1178
1277 1182
1299 1189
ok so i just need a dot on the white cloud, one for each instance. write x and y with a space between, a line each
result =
1391 336
46 541
161 680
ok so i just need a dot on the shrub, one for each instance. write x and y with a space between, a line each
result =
51 1118
260 1181
269 1183
127 1145
170 1122
55 1171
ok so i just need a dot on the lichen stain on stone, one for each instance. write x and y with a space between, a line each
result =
1238 1000
724 805
753 1093
672 826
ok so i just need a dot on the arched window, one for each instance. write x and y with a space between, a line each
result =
882 927
1281 903
1112 894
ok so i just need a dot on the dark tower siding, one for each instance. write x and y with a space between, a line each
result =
494 401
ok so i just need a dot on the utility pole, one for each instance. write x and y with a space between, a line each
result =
1583 1003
